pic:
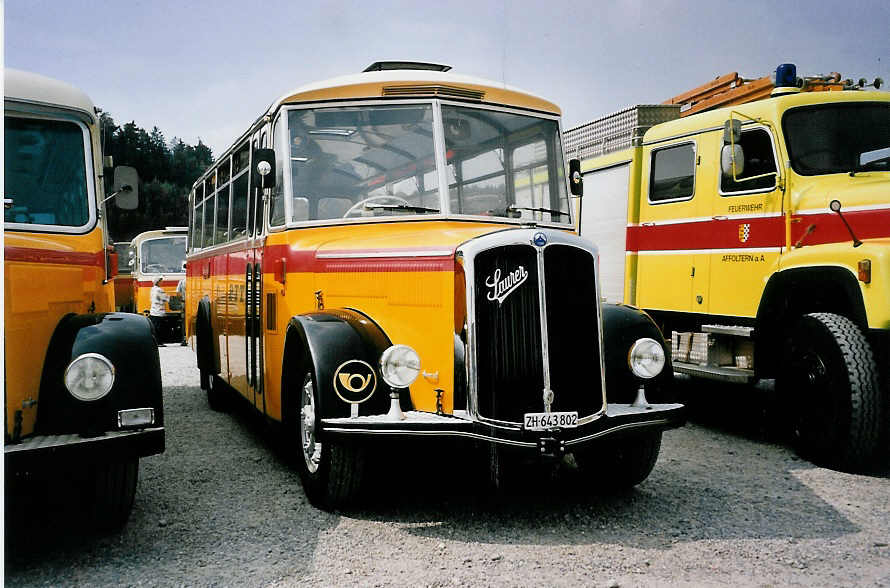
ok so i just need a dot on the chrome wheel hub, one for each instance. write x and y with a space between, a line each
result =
311 447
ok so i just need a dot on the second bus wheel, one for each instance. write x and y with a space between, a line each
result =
331 473
109 492
830 384
620 464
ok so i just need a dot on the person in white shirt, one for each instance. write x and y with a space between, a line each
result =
158 307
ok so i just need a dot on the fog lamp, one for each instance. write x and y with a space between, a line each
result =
135 417
89 377
646 358
399 366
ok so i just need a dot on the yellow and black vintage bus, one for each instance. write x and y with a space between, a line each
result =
82 383
391 255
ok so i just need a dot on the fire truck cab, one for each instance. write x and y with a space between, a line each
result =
758 236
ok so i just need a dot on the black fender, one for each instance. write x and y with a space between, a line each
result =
322 341
794 292
623 325
126 340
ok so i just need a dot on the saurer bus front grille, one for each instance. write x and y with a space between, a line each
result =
509 333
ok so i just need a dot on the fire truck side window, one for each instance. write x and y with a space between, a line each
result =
759 159
673 173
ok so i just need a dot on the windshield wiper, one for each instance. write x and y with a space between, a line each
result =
400 207
512 208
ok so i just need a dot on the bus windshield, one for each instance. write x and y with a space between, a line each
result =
838 138
45 179
164 255
370 161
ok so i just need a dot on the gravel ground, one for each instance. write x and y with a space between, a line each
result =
726 505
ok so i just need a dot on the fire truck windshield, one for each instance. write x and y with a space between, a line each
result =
838 138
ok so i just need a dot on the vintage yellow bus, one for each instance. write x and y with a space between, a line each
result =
391 255
82 383
160 254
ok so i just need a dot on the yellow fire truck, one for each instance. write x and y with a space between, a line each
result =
757 235
82 384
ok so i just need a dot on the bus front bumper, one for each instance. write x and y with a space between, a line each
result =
41 451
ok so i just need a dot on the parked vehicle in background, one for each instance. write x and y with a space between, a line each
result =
758 236
391 255
160 253
124 285
82 383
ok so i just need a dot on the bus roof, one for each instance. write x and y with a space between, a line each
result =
22 86
411 83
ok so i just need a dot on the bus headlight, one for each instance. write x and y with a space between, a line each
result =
646 358
89 377
399 366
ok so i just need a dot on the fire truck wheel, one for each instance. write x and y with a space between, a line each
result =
109 493
618 465
331 472
831 382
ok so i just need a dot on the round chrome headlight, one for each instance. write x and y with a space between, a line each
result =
89 377
399 366
646 358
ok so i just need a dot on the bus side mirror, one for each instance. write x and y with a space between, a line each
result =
264 168
126 188
576 182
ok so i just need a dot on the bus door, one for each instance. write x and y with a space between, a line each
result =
254 290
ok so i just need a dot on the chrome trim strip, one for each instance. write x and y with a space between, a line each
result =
642 425
364 255
548 394
480 436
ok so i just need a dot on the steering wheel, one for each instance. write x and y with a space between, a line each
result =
361 203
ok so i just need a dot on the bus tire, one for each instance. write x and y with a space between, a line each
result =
621 464
830 382
330 472
110 492
217 394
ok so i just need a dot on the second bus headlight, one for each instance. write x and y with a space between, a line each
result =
399 366
89 377
646 358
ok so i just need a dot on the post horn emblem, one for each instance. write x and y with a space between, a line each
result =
355 381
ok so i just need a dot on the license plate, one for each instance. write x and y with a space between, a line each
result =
540 421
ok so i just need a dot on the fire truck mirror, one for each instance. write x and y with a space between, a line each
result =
732 155
576 182
732 131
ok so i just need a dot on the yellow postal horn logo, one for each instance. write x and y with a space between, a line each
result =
355 381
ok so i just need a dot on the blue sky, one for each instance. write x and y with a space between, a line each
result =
208 69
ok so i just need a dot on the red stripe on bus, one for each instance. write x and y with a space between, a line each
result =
757 232
305 261
32 255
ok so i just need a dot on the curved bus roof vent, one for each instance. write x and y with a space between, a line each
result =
434 90
390 65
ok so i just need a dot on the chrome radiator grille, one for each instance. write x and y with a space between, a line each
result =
515 314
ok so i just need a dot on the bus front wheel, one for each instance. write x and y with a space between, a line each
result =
331 472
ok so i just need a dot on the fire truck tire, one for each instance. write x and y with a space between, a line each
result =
830 381
619 465
331 472
109 493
